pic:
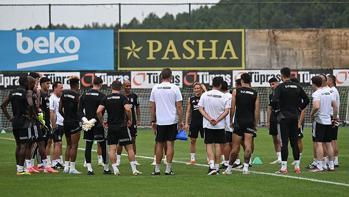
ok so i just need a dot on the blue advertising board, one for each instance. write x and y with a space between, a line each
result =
53 50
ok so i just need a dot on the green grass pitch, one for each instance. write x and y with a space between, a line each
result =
188 181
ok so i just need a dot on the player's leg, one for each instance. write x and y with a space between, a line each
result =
160 139
75 137
132 159
294 137
335 146
273 131
284 135
118 155
57 147
112 157
22 140
193 134
329 147
248 141
67 152
209 141
99 155
170 140
234 151
319 134
103 146
28 156
88 149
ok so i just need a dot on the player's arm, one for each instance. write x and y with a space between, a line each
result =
268 115
99 114
61 108
316 107
335 109
4 108
256 111
179 108
53 115
82 106
301 118
305 100
138 112
223 115
153 115
128 111
205 114
233 108
187 114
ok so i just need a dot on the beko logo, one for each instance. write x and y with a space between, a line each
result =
68 47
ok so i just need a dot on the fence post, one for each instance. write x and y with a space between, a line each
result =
119 15
49 17
189 15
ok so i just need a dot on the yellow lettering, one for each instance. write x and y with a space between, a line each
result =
152 49
171 48
213 49
188 49
228 48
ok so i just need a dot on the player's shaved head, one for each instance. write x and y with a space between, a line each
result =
116 85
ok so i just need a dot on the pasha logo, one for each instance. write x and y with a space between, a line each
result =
67 47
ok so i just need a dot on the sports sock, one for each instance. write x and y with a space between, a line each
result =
100 158
61 159
28 163
157 168
284 165
115 167
133 166
168 167
66 164
72 165
222 157
278 155
192 157
296 163
89 167
246 165
118 158
32 162
319 165
237 162
106 167
331 164
229 168
49 158
216 166
336 162
211 162
20 168
45 162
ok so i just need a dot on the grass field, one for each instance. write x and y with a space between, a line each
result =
188 181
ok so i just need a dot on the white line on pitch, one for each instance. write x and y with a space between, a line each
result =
255 172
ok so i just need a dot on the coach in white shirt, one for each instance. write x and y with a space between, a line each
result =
214 107
165 105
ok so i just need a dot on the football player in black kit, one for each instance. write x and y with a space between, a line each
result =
68 108
18 100
119 119
136 118
245 107
289 99
193 114
93 129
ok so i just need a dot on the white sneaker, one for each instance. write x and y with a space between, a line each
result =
136 173
293 163
137 164
228 172
74 171
100 163
66 170
245 171
118 163
116 172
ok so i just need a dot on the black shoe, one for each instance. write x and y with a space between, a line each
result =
171 173
336 166
155 173
58 166
107 172
211 172
223 167
236 165
90 173
250 165
311 167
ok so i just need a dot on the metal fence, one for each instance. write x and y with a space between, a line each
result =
251 15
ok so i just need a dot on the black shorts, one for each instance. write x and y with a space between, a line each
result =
133 130
194 131
228 137
31 134
58 133
245 128
71 128
166 133
214 136
96 133
334 132
119 135
273 128
322 133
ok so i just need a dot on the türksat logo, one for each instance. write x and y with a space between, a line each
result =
67 47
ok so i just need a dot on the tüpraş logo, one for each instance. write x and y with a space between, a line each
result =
67 46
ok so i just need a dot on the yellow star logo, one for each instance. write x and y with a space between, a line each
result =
133 50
